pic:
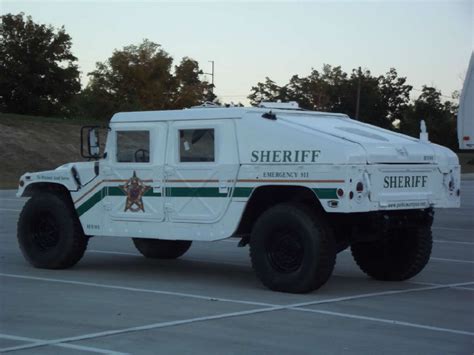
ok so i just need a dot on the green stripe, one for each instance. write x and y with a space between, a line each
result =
326 194
242 192
113 191
91 202
108 191
194 192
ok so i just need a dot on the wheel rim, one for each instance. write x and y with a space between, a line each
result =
285 251
45 232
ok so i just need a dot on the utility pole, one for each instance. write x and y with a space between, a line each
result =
358 95
211 74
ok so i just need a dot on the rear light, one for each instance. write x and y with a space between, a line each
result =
340 192
466 138
360 187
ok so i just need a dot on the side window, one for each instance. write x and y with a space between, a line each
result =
133 146
196 145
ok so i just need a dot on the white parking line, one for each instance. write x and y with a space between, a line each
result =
464 288
269 308
453 242
383 320
377 294
140 328
113 252
62 345
453 229
9 209
135 289
453 260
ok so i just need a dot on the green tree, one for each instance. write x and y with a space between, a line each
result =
267 91
135 78
140 78
440 118
395 95
190 90
382 99
38 72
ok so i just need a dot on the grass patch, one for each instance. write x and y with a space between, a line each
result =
13 119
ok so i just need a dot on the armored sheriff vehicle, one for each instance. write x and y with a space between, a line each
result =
297 186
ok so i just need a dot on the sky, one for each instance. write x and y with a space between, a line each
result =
429 42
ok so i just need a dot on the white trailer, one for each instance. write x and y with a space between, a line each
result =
466 110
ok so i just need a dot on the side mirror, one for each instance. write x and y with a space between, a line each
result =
90 139
93 146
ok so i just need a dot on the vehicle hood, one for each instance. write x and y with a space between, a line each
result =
381 145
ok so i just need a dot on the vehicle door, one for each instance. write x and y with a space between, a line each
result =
134 177
201 168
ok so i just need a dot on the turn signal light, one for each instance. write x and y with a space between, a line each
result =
359 187
340 192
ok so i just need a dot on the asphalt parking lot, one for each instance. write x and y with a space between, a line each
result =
210 302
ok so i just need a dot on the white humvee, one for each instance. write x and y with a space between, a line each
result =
298 186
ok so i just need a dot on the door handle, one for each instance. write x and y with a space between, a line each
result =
223 186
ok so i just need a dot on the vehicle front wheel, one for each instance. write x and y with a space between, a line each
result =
292 249
49 233
161 248
400 255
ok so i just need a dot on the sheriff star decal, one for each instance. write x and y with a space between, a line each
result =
134 188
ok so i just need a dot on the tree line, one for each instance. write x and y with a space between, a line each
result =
39 75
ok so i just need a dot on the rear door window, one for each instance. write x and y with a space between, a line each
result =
196 145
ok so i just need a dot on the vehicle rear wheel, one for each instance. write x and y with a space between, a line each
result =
292 249
160 248
49 233
400 255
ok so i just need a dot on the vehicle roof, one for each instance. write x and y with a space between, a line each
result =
206 114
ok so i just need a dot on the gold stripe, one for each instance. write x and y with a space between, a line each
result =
192 180
107 180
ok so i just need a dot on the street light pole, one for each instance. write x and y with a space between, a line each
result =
211 74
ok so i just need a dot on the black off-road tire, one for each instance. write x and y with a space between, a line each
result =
49 232
402 254
161 248
292 249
